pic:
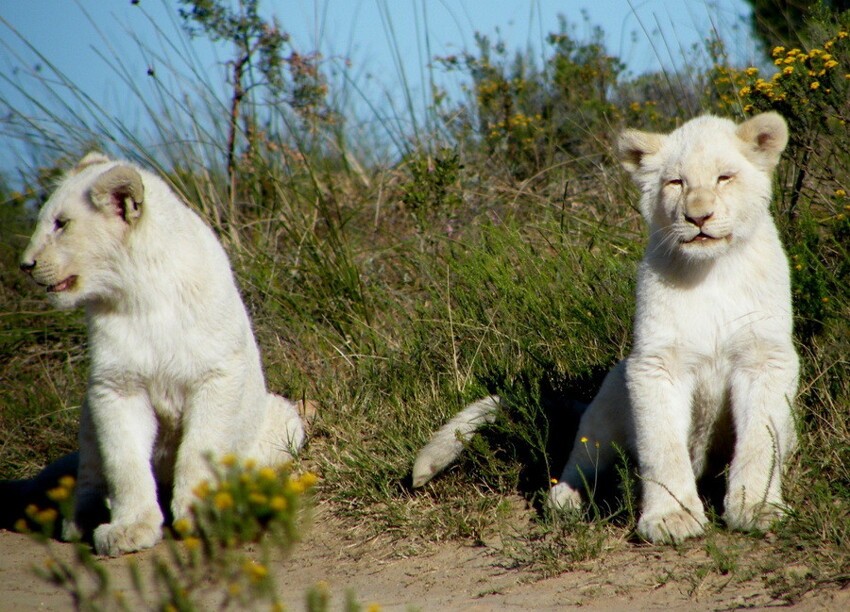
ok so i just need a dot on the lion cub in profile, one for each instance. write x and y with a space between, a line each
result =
175 372
713 360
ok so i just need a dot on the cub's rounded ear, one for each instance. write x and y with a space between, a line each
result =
633 146
90 159
765 137
119 191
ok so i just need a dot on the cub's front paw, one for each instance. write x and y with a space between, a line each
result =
672 527
113 540
563 497
753 517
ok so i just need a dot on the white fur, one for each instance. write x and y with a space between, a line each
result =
175 372
447 443
713 358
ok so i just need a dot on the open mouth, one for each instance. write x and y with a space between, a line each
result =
66 284
704 238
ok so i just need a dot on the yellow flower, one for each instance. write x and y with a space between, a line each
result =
814 85
234 589
192 544
309 479
67 481
798 267
825 300
255 571
554 481
21 525
267 473
250 464
830 64
751 71
45 517
258 498
58 494
583 440
228 460
840 193
745 91
278 503
202 490
842 34
223 500
374 608
182 526
788 70
778 51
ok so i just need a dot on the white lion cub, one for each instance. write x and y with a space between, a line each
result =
713 360
175 372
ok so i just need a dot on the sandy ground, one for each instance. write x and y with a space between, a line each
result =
450 576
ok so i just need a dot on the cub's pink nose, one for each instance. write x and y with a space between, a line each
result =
699 221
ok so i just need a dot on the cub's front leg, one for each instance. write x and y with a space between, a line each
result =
125 428
763 390
661 408
219 419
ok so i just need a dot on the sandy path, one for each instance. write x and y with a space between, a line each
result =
451 576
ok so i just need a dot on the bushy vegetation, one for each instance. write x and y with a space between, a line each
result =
496 254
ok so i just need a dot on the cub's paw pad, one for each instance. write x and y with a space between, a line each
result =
563 497
113 540
672 527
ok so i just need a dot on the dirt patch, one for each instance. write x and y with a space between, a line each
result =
452 576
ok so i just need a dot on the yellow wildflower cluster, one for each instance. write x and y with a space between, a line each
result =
243 502
802 77
45 518
488 90
517 125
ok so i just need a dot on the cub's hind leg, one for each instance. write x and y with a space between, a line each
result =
605 425
90 489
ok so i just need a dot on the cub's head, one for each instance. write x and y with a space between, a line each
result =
79 241
705 186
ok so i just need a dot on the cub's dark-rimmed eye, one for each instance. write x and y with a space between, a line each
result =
724 178
60 224
673 183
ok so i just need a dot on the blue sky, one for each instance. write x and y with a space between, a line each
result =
73 34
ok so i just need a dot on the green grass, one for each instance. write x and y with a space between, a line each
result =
496 262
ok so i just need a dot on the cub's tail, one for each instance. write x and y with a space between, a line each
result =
446 445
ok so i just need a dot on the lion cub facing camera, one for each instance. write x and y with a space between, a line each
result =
712 358
175 372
